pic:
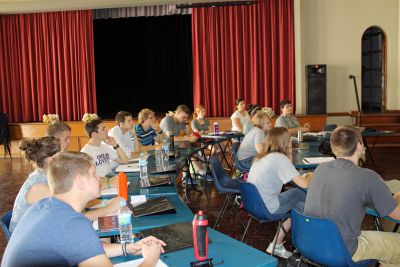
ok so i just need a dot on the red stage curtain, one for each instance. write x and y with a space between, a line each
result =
47 65
243 51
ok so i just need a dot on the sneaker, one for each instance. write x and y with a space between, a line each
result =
279 251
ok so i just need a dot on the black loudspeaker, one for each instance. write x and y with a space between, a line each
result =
316 89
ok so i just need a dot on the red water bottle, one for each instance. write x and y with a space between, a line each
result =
122 186
200 236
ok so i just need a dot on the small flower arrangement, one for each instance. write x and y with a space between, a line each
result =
88 117
50 118
270 113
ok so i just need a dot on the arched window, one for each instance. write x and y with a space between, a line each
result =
373 70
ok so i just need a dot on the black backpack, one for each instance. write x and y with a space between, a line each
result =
5 137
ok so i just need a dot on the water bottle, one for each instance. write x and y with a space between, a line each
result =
299 136
159 156
165 150
125 222
143 166
171 142
216 128
200 236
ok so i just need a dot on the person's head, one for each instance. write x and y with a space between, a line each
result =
182 113
252 109
346 141
61 131
38 151
96 129
124 120
261 120
146 115
68 170
286 107
199 112
277 140
240 104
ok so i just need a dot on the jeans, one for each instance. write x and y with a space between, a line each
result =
293 198
246 163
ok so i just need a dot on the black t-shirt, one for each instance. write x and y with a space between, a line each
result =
340 191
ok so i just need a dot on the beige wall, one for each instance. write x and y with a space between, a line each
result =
329 32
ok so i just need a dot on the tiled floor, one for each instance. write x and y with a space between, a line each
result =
14 172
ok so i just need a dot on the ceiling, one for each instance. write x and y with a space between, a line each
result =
30 6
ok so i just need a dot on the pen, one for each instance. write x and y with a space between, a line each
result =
306 161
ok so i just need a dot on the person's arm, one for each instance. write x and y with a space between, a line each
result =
99 260
37 192
111 206
106 182
303 181
395 214
195 127
115 249
236 122
135 139
122 158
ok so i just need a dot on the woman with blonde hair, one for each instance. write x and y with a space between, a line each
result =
200 125
271 169
148 130
253 141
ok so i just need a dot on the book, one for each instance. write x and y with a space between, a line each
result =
108 223
317 160
160 180
154 206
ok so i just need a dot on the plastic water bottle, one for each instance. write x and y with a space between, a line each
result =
143 166
125 222
159 156
165 150
216 128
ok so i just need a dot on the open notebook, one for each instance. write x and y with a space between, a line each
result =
154 206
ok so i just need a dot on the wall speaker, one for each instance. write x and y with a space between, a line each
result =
316 89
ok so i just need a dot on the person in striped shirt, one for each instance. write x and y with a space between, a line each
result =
148 130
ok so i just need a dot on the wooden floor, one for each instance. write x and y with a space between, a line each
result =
14 172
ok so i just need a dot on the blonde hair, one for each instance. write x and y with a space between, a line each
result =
277 140
144 114
344 141
63 169
197 110
259 119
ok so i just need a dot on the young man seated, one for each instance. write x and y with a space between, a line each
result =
61 131
341 190
288 120
54 232
104 150
177 123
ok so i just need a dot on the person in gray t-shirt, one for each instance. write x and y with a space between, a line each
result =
253 141
341 190
177 122
288 120
272 169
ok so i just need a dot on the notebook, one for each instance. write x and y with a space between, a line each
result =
108 223
176 236
154 206
131 167
160 180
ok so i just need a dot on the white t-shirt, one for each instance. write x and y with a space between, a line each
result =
124 141
247 148
103 156
243 119
269 174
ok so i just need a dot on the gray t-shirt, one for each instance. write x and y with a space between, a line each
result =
51 233
269 174
288 122
168 124
38 176
201 127
340 191
247 148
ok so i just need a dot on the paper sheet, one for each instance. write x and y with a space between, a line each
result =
317 160
137 262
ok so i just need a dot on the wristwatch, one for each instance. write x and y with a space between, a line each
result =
115 147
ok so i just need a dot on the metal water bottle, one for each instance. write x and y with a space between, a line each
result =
216 128
200 236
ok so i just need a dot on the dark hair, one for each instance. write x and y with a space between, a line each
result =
56 128
253 108
238 100
120 117
344 140
284 102
92 126
183 108
38 150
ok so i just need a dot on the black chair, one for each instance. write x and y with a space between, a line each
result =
5 223
223 184
5 137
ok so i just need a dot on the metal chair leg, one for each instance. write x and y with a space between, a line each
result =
247 228
222 211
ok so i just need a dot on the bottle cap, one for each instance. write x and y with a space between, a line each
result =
122 202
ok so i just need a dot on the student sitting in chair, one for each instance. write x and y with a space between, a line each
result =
288 120
148 131
176 123
240 117
253 141
124 134
271 170
341 190
54 232
62 132
35 188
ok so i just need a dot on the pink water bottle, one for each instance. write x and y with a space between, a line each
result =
216 128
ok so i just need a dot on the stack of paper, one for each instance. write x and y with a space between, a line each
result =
317 160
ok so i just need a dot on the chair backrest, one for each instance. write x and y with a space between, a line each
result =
222 182
254 204
319 240
235 148
5 223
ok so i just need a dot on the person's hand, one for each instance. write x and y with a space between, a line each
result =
151 239
168 133
110 141
113 181
155 126
397 196
113 204
151 253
